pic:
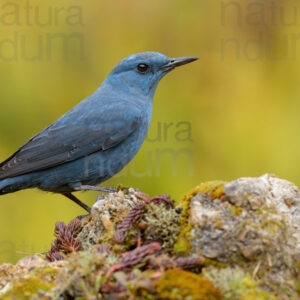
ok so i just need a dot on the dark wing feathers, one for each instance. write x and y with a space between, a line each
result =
114 140
67 140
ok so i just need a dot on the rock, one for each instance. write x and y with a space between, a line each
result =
269 192
7 272
238 240
106 213
255 224
30 261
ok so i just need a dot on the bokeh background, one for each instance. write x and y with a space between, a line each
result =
240 100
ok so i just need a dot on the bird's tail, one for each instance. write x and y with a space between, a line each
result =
2 186
9 185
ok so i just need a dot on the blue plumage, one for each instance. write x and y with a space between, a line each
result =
95 139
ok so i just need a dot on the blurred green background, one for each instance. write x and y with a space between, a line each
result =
241 99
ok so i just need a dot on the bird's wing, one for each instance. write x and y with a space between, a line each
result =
71 137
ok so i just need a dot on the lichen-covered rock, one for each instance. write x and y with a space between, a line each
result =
238 241
30 281
157 223
271 193
255 224
7 273
87 260
108 211
214 189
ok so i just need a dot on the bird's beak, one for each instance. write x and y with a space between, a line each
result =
176 62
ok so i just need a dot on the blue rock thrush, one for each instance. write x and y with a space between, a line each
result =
95 139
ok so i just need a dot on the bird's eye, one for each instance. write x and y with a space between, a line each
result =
142 68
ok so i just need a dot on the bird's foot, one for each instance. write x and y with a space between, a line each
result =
82 217
95 188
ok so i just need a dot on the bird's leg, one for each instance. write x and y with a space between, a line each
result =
77 201
95 188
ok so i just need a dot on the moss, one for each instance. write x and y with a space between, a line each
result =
297 285
106 238
259 211
141 286
178 284
239 259
145 295
235 284
83 274
163 225
31 288
211 262
215 189
252 292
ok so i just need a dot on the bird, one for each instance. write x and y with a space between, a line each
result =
97 138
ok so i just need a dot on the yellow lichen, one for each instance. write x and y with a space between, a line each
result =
121 187
46 273
179 284
28 289
218 223
215 189
235 210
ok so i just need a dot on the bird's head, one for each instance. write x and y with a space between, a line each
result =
140 73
